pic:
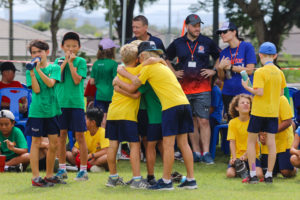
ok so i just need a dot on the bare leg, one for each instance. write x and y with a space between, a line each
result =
135 149
251 151
187 155
70 158
204 133
82 147
230 172
24 159
272 151
168 160
62 146
195 137
111 156
34 156
100 161
295 160
51 154
103 123
151 157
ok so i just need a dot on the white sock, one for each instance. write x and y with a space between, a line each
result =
268 174
63 166
204 153
190 179
252 173
83 167
166 181
198 154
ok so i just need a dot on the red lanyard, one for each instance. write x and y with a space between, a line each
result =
192 52
236 53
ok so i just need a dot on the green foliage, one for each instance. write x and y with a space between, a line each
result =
87 28
41 26
68 23
292 76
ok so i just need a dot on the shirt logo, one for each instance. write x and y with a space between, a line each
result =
35 129
201 49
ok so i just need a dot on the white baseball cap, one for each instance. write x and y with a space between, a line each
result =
7 114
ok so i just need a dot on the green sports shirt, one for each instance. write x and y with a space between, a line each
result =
45 103
104 72
71 95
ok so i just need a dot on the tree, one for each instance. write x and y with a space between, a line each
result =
117 14
68 23
204 5
87 28
56 8
41 26
267 20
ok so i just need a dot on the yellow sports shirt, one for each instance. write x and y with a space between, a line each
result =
272 80
165 85
96 142
237 130
285 138
123 107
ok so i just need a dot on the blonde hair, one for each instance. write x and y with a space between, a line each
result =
129 53
136 42
149 54
235 102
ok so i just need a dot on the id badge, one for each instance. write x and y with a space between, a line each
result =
192 64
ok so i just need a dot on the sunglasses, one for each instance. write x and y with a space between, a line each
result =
224 32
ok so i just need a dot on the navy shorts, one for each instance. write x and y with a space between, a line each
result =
42 127
177 120
122 130
102 105
142 122
282 162
72 119
257 164
154 132
263 124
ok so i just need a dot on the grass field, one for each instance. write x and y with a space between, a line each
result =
211 181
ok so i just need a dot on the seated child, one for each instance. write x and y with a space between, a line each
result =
12 142
284 139
239 110
295 152
96 142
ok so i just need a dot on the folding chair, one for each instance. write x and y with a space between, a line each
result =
214 139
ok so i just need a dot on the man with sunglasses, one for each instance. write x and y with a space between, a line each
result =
238 56
193 51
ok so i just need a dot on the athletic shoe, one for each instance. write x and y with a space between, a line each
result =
16 168
176 177
269 180
97 169
207 159
161 185
251 180
62 174
114 182
190 185
55 180
82 176
178 156
140 184
39 182
197 158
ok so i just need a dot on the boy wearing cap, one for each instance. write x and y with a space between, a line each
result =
12 141
70 93
8 71
122 125
193 51
176 116
268 85
103 72
43 112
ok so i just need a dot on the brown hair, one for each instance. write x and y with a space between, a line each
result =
234 103
40 44
141 18
106 53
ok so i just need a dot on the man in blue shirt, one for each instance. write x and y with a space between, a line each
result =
193 51
140 31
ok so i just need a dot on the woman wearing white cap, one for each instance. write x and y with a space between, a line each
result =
103 72
238 56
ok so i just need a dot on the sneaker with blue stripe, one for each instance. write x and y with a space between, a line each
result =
161 185
62 174
82 176
190 185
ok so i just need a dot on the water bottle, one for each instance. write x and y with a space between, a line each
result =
32 64
60 62
245 77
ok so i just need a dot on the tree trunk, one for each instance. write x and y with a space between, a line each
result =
215 21
11 33
129 17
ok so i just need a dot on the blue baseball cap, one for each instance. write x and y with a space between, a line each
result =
268 48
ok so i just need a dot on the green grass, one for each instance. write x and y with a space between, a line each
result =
211 181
